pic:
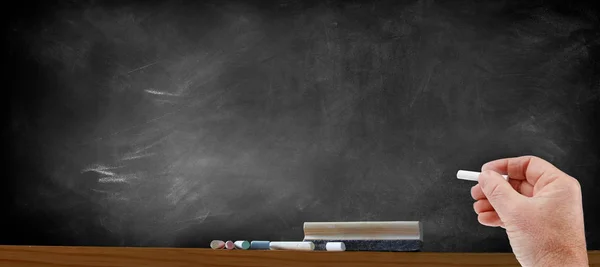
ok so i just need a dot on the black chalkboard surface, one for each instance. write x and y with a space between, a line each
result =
174 123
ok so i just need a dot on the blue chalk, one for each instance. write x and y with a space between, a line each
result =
259 244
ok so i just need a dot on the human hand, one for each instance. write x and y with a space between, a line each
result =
540 207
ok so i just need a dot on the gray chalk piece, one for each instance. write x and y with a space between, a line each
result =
373 245
260 244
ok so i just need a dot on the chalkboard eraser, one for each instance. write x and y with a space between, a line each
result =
471 175
372 245
363 230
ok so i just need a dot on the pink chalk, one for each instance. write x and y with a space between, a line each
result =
229 244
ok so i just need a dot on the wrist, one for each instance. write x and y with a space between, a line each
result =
572 256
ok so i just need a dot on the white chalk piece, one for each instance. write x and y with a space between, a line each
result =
335 246
471 176
287 245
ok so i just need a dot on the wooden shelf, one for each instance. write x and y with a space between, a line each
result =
177 257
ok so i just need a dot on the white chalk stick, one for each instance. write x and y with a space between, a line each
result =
292 245
335 246
471 176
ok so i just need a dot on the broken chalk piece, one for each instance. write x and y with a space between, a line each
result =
471 176
257 244
217 244
335 246
242 244
229 244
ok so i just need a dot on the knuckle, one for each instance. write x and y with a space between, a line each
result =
551 176
573 183
537 161
537 158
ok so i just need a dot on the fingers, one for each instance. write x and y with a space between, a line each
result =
482 205
528 168
502 196
516 184
522 186
477 193
486 214
526 189
490 218
502 166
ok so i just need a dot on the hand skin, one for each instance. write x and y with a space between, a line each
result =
540 207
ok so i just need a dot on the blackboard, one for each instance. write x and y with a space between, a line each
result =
174 123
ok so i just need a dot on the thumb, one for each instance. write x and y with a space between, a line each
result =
501 195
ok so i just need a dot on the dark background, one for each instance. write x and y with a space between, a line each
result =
174 123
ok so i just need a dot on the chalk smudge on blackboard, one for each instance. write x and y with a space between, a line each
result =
140 151
142 67
156 92
119 178
137 156
179 189
101 169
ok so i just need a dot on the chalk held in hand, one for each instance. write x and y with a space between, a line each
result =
229 244
302 245
335 246
217 244
471 176
242 244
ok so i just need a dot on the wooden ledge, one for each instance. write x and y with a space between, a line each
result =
177 257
